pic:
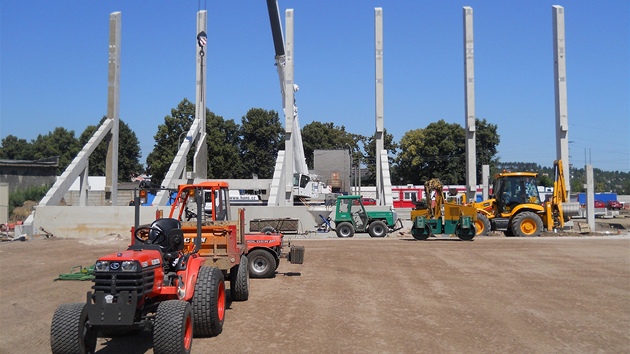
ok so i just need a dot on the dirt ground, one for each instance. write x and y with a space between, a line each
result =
392 295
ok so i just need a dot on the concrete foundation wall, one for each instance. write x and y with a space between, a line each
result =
87 222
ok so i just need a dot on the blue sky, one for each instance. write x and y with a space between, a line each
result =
53 67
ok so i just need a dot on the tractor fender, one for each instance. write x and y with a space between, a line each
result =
190 275
535 208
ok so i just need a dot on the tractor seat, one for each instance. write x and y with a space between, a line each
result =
167 232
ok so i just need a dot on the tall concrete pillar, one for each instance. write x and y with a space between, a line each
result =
560 85
289 97
200 161
113 108
590 197
469 87
485 181
379 134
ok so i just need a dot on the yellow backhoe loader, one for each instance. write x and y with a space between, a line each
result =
516 209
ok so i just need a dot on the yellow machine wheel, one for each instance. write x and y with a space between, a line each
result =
526 224
482 225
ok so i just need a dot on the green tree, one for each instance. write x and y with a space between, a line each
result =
14 148
486 142
262 137
439 151
224 148
327 136
370 155
60 142
167 138
545 181
128 152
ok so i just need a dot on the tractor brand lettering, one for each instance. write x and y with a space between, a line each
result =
155 261
144 264
260 241
189 240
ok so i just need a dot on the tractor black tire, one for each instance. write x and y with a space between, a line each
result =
70 331
262 264
208 302
482 225
173 328
377 228
239 280
527 224
344 229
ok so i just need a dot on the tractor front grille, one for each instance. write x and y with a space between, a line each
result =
115 282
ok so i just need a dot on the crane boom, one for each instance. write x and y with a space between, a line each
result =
299 159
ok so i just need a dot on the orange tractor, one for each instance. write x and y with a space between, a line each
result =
170 280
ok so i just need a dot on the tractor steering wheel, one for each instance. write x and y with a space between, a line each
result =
141 234
190 214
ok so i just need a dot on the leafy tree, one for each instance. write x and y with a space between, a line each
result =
262 135
486 142
224 148
545 181
167 138
14 148
409 163
439 151
370 155
60 142
128 151
317 135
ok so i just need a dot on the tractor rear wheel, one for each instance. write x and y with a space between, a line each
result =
377 229
173 328
239 280
70 331
482 225
208 302
345 229
527 223
262 264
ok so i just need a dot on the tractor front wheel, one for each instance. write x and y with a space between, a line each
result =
345 229
527 223
173 328
70 331
261 264
239 280
482 225
208 302
377 229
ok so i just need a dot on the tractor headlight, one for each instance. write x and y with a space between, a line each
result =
129 266
102 266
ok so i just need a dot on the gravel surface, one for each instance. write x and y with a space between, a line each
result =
359 295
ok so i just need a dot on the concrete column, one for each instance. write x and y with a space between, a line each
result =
560 85
590 197
113 108
200 161
485 181
288 110
469 88
379 134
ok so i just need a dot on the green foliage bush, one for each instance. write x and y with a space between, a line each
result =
17 198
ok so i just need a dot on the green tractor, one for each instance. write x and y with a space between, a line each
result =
351 216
